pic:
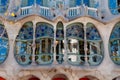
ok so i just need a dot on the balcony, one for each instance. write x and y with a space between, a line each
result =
51 13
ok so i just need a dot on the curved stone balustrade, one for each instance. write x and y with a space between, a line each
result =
24 59
50 13
74 11
78 60
60 58
26 10
94 59
44 58
93 12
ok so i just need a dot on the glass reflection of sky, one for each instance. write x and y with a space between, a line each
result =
3 46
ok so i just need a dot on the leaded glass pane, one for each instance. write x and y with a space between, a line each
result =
3 5
115 44
94 45
44 43
3 44
75 31
75 44
114 6
44 30
23 46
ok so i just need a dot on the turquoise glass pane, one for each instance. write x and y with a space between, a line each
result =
113 6
3 44
23 46
75 31
92 33
86 2
115 44
44 30
3 5
26 32
115 33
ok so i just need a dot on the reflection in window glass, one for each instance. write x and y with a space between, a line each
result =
114 6
44 43
23 46
94 45
59 42
3 5
80 47
115 44
3 44
75 44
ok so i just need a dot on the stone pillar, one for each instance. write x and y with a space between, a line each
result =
65 45
55 61
33 44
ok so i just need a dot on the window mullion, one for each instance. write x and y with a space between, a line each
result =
85 45
33 44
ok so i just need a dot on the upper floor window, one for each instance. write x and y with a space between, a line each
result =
94 45
59 42
23 44
3 5
3 44
44 43
81 46
115 44
114 6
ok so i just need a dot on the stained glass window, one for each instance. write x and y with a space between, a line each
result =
79 45
115 44
23 46
75 44
114 6
30 2
59 42
3 44
3 5
94 45
44 41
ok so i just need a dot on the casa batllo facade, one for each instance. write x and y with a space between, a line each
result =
59 39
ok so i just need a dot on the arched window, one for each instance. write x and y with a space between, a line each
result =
3 44
84 42
44 43
75 44
59 42
115 44
3 5
94 45
23 45
114 6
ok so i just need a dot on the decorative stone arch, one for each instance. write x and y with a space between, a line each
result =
89 77
114 43
44 39
23 44
29 77
60 77
116 78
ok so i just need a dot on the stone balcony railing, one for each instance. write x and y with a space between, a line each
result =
51 13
